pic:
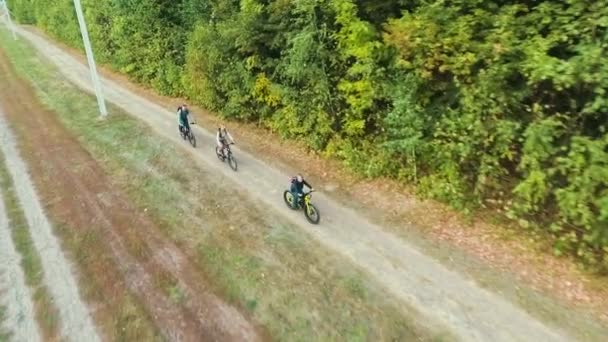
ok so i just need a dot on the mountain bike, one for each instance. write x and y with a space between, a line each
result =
310 211
226 156
187 134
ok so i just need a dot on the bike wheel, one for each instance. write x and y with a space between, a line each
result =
312 214
232 161
288 198
218 153
192 139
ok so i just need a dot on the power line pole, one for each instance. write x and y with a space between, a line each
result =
6 15
90 58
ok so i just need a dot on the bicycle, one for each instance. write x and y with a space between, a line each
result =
310 211
226 156
187 134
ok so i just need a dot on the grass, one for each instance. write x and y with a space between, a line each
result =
46 311
288 282
120 314
117 312
171 287
5 335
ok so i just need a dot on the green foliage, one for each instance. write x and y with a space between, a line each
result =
23 11
471 100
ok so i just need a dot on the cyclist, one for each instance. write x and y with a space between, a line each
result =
297 189
183 119
223 139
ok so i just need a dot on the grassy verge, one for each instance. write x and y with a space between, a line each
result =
128 322
4 333
284 278
119 313
46 312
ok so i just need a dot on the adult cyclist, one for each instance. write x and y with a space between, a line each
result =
183 119
297 189
223 139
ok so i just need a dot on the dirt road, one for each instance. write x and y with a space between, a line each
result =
75 318
444 296
15 296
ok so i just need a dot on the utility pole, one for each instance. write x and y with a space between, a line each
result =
90 58
6 15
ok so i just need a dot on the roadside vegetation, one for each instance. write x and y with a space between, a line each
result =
287 281
478 104
5 334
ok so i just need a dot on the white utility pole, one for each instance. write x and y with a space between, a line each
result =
92 67
6 15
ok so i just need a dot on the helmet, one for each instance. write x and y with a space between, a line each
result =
299 178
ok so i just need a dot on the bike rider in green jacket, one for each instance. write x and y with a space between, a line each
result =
183 119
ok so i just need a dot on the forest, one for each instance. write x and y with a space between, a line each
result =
480 104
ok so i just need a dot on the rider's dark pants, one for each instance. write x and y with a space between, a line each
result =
296 196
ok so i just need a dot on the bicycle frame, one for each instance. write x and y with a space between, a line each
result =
306 201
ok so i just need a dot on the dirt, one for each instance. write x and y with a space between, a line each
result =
441 295
15 296
81 196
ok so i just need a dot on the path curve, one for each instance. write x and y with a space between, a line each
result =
443 296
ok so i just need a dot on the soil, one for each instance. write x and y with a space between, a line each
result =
81 197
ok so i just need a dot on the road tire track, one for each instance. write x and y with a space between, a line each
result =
76 321
15 295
